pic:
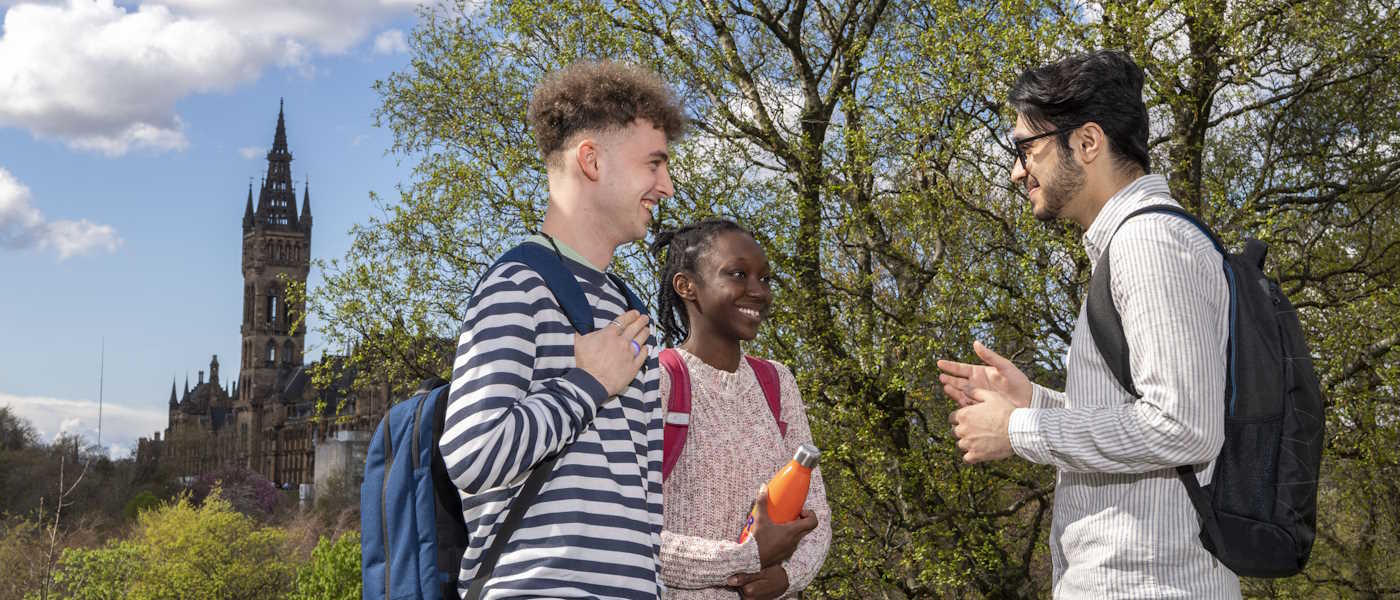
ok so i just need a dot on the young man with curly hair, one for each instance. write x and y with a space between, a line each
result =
526 390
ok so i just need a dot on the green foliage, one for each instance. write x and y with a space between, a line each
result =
182 551
864 142
333 573
22 550
100 573
140 503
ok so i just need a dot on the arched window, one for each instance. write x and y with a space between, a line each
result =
288 352
271 307
271 352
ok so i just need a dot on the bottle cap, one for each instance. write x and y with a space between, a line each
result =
807 455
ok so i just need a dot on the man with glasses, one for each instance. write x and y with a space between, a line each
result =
1123 524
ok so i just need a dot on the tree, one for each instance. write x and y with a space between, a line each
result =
864 143
16 432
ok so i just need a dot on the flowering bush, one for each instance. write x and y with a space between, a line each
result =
247 491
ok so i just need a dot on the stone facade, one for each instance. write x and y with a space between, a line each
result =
266 420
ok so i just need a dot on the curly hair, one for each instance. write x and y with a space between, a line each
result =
682 249
600 96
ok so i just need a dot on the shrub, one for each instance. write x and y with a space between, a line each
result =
22 550
244 489
182 551
97 573
142 502
333 572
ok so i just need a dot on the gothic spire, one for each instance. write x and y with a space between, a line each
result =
187 385
279 139
277 199
306 206
173 401
248 211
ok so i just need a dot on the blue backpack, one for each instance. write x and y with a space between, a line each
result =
412 532
1259 513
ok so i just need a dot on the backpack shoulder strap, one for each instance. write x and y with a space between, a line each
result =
677 410
678 403
767 376
558 279
633 302
1105 323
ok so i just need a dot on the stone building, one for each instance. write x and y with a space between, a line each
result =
266 420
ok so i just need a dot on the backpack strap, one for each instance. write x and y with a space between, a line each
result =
767 376
573 301
452 538
633 302
1106 327
677 410
678 403
558 279
1105 323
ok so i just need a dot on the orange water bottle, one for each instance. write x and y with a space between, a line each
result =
787 491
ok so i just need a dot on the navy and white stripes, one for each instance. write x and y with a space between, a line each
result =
518 398
1123 525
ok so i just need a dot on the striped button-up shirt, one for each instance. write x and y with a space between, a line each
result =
1123 525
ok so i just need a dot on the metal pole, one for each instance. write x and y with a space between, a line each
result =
101 371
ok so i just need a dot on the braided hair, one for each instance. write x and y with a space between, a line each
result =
682 249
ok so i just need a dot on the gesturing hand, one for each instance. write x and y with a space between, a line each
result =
769 583
960 380
613 354
777 541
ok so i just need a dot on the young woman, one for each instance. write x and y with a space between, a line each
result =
714 294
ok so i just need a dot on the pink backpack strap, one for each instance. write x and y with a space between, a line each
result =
677 410
678 403
767 376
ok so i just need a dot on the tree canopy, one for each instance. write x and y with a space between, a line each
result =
864 142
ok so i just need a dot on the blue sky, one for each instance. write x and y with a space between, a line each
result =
129 132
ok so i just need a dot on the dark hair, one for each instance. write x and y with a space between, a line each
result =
683 248
1104 87
600 96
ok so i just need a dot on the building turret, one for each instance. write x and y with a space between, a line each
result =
306 208
248 212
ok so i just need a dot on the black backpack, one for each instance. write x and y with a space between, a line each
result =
413 534
1258 514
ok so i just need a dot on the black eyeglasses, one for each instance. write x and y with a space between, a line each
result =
1018 147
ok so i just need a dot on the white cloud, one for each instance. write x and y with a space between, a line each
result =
121 425
23 227
105 78
390 42
251 152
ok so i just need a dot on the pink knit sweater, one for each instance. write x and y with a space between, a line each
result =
733 447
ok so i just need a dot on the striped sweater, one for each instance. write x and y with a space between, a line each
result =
517 398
